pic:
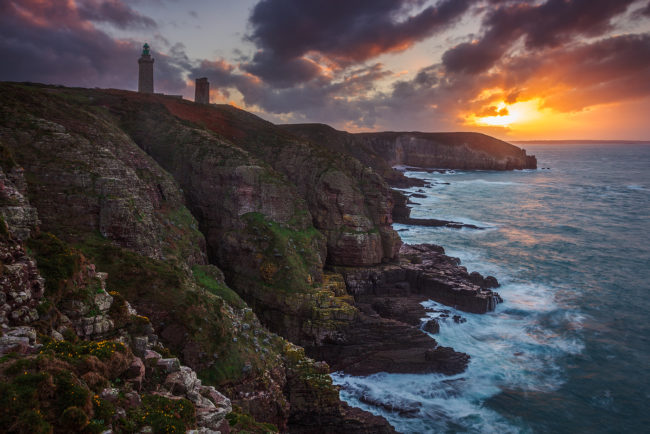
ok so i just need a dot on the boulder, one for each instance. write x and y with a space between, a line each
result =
431 326
181 382
135 373
446 360
168 365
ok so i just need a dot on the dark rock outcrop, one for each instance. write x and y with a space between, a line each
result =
426 272
386 335
436 223
431 326
379 344
402 215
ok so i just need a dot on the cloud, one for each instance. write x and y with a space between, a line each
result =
323 100
113 12
57 42
288 32
493 111
569 79
543 25
609 70
314 59
646 10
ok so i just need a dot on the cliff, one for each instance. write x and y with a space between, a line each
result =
350 144
382 151
349 204
103 204
469 151
223 230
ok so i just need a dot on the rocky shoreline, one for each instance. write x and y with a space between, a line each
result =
402 214
386 335
262 260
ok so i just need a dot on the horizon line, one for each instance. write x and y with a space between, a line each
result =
586 141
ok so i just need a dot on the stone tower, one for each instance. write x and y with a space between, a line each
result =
202 91
145 79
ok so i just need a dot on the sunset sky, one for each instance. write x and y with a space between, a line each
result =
527 69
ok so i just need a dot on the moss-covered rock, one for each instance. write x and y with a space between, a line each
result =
86 175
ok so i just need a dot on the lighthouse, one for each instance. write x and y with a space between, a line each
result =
145 78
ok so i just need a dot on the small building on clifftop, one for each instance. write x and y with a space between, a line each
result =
202 91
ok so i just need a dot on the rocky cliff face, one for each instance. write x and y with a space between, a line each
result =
21 284
349 203
94 188
54 383
131 201
87 176
324 136
447 150
258 228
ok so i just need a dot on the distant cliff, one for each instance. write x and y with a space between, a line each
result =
469 151
382 151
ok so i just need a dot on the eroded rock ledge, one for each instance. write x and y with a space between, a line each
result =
385 335
424 270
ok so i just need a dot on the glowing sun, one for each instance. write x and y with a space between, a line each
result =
506 115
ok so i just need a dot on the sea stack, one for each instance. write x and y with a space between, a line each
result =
202 91
145 78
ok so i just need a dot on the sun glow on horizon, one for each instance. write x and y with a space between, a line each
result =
509 115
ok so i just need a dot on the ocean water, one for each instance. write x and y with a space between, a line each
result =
569 349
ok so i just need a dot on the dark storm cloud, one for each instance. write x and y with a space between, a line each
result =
114 12
56 42
609 70
327 101
543 25
646 10
345 32
283 72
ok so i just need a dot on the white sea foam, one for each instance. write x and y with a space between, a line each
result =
510 349
431 403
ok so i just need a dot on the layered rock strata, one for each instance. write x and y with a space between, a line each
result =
349 202
426 272
386 334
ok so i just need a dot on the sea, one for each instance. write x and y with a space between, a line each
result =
568 351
